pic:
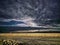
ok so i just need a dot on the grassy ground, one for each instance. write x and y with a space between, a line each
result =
30 38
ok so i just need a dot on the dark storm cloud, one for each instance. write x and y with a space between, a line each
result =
42 11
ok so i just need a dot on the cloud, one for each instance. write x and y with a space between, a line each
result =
29 21
29 11
26 21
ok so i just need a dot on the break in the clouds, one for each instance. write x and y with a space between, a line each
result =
26 21
32 12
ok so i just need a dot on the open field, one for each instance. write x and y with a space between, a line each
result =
30 38
30 34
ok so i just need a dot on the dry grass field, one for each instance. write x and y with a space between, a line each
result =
30 38
30 34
